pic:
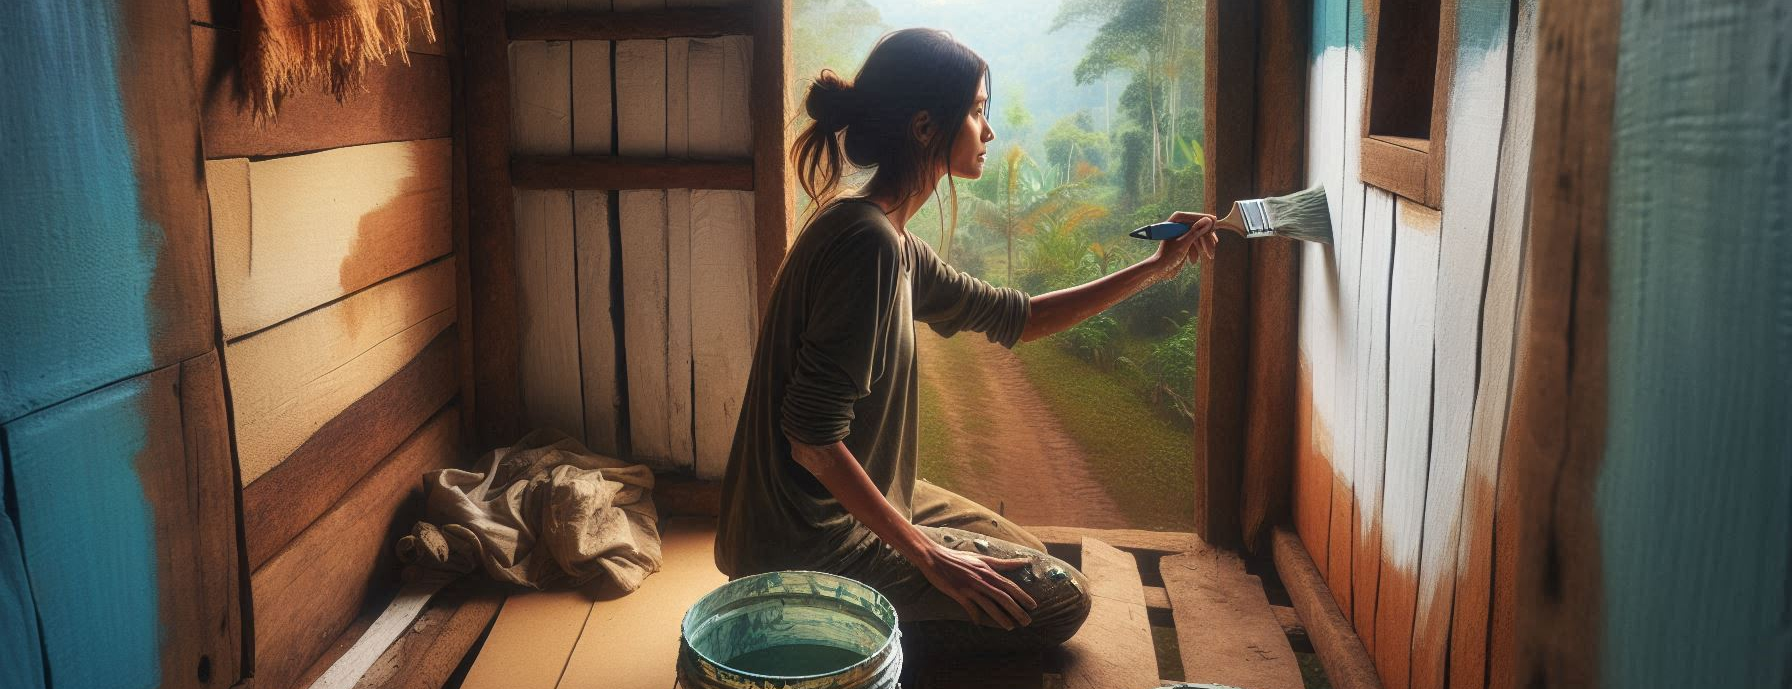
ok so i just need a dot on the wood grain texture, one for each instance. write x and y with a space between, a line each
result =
1113 648
597 331
681 292
644 625
205 427
1347 662
1372 408
1224 628
641 98
427 655
643 217
292 233
491 230
541 117
1131 540
289 497
623 173
346 670
716 82
1322 471
1411 309
769 108
624 26
309 593
546 267
401 102
287 381
592 99
1414 172
723 298
1555 433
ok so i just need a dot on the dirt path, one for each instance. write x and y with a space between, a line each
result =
1012 453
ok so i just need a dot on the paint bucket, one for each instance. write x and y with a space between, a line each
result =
797 630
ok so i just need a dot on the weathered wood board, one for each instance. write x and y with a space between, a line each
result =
288 381
1113 648
644 250
541 102
1224 628
723 298
597 332
1372 409
292 233
548 314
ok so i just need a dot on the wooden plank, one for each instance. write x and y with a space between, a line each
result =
491 231
205 426
613 172
769 109
641 98
286 499
548 288
1555 432
287 381
1477 110
1113 648
106 502
1221 348
1397 169
1347 663
716 80
1411 309
643 626
597 331
401 102
292 233
429 652
1275 273
1472 623
1372 408
1137 540
723 299
591 98
681 291
21 659
643 217
625 26
346 671
541 97
530 642
1224 628
309 593
1157 597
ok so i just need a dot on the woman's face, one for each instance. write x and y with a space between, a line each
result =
974 135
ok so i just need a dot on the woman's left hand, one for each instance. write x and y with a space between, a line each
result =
1200 237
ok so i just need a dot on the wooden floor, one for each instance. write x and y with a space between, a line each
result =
1225 628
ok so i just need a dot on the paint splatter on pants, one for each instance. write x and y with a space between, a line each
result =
961 524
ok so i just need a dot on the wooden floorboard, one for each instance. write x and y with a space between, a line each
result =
1114 647
1226 631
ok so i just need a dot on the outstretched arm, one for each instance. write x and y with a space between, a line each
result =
1055 312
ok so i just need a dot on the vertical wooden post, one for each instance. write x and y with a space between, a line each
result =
1222 342
770 109
491 259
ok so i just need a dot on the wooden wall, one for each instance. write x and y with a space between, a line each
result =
334 236
1406 356
636 307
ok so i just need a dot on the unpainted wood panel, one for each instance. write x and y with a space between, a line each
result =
1224 627
716 90
295 232
309 593
1344 196
548 312
1113 648
680 294
597 331
1411 309
1372 409
205 427
1476 112
644 249
643 626
541 97
288 381
591 98
641 98
723 302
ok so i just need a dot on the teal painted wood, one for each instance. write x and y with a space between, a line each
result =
77 255
88 537
1694 495
21 656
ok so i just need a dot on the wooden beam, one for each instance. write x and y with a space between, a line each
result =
491 259
585 25
1222 357
1279 148
1346 662
621 172
770 107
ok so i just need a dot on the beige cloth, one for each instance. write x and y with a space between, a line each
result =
290 44
542 513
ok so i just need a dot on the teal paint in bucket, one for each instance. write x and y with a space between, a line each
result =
790 630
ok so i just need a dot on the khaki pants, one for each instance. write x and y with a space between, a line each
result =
958 523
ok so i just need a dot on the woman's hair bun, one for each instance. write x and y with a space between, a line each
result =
831 101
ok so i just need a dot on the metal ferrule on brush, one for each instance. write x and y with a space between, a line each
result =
1256 219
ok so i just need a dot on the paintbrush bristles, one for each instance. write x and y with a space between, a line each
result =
1302 215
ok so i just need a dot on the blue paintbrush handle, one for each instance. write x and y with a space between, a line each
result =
1161 231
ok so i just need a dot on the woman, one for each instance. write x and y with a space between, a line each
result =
822 472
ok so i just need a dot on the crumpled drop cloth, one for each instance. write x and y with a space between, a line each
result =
542 513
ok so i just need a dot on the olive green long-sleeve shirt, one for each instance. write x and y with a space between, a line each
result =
836 361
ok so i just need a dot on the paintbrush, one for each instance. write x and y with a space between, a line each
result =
1301 215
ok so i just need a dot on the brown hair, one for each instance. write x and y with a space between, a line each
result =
865 122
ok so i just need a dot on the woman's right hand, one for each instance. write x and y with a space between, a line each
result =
975 581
